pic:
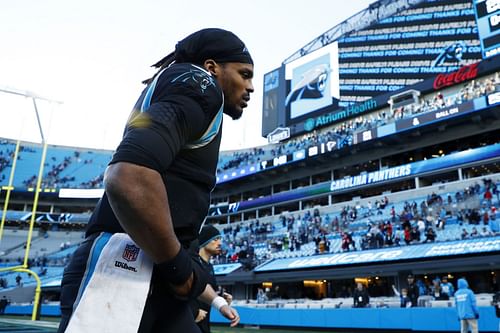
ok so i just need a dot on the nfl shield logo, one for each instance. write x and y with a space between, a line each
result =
130 253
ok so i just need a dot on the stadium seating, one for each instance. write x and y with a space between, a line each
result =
359 227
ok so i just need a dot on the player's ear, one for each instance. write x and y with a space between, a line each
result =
211 66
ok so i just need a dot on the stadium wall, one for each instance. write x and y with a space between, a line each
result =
415 319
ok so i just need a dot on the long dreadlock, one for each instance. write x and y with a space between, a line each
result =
163 63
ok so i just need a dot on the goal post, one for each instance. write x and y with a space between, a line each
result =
24 267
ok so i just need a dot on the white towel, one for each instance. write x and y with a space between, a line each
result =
115 295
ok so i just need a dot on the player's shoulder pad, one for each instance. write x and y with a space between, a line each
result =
193 81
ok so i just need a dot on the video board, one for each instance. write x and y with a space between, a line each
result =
488 24
313 83
417 43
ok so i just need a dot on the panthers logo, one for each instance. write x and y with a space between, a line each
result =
452 53
196 76
312 84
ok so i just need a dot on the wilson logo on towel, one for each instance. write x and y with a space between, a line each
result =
130 253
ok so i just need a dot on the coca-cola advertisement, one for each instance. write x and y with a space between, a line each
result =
463 74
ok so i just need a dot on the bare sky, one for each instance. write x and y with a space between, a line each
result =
92 55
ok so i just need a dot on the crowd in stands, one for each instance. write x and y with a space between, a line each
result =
55 178
74 169
342 134
5 160
365 227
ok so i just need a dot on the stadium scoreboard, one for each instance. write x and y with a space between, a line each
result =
342 79
488 24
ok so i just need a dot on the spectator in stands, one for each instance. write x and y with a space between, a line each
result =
422 287
467 310
486 217
493 215
346 241
421 226
407 235
488 196
430 235
324 245
485 232
19 280
360 296
447 287
3 304
464 234
3 282
388 234
397 238
393 214
369 208
473 217
495 191
437 291
261 296
413 291
170 144
405 301
441 222
209 246
415 235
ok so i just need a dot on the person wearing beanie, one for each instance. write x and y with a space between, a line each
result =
134 272
210 242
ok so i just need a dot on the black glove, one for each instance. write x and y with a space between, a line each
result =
477 315
179 269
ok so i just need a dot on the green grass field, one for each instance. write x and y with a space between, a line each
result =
223 329
49 325
9 324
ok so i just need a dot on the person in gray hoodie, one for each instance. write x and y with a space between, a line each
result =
467 310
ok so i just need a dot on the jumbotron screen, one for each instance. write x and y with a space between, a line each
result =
415 44
488 25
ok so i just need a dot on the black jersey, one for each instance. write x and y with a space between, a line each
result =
197 304
175 128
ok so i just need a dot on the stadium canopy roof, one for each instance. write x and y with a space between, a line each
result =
375 12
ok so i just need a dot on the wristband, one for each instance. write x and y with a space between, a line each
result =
219 302
178 269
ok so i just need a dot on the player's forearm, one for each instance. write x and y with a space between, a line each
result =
139 200
208 295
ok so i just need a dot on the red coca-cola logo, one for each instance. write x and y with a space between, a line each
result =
461 75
